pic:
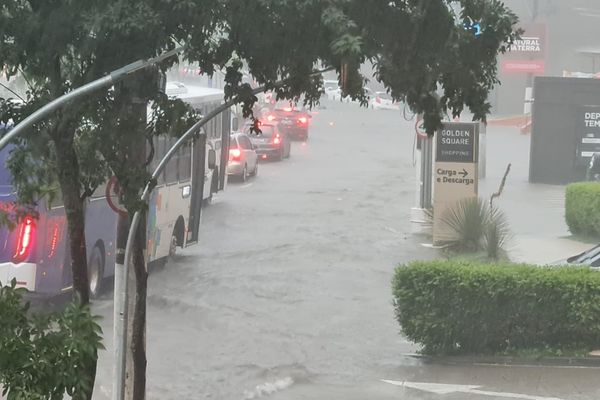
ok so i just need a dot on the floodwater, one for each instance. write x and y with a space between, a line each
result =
287 295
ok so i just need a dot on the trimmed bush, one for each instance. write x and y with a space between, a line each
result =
582 208
466 308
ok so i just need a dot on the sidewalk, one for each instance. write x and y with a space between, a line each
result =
535 212
543 250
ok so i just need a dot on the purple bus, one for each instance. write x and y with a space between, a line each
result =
36 252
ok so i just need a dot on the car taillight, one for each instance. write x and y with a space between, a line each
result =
378 99
277 139
26 233
53 240
235 154
270 117
287 109
302 120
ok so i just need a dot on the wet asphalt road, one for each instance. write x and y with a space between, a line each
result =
287 295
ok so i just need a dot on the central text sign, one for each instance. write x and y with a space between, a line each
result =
457 142
455 172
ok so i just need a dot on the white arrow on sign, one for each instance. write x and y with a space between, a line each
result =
444 388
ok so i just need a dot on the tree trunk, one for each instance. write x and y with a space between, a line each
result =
138 336
68 178
137 158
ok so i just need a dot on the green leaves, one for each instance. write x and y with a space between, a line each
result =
45 356
582 208
454 307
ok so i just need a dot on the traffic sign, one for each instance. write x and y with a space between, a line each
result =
420 128
114 195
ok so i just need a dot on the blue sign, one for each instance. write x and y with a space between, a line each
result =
473 26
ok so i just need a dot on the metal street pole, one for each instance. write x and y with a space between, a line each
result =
121 282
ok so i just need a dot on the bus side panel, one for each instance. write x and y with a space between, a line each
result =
53 273
101 231
167 204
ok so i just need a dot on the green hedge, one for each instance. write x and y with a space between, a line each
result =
582 208
465 308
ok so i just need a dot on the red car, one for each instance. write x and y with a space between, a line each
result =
290 119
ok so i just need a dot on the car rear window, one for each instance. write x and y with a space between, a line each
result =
266 131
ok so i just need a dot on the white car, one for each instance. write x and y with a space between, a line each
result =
336 95
243 160
330 86
383 101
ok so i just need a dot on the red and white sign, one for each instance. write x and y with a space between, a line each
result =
536 67
420 128
527 54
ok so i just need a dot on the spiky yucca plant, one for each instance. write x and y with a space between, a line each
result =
496 233
466 223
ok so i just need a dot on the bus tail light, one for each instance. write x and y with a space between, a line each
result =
235 154
26 232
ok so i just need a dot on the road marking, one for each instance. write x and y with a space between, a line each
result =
445 388
504 365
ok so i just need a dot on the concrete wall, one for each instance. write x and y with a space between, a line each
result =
554 137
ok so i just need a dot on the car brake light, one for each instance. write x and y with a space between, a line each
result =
302 120
287 109
276 139
270 117
25 239
235 154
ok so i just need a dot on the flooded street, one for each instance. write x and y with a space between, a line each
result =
288 295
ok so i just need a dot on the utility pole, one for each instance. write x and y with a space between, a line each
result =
529 80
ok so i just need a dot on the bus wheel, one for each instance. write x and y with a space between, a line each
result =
173 246
96 272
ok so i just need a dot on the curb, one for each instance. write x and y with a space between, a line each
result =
590 361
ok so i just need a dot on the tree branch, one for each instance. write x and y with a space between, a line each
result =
12 91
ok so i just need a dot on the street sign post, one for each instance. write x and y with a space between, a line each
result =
455 172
